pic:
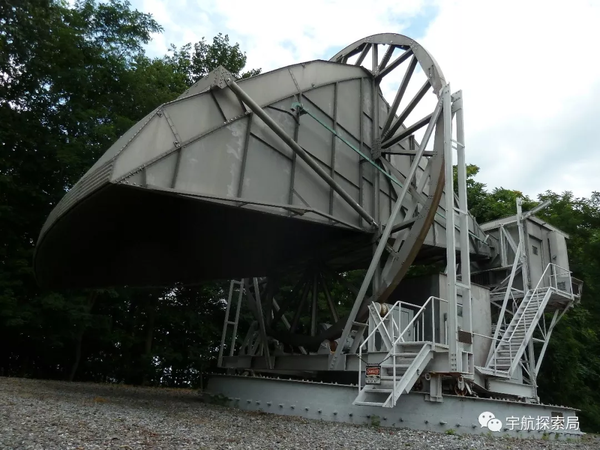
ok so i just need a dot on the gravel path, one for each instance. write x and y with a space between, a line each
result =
57 415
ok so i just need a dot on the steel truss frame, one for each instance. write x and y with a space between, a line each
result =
391 259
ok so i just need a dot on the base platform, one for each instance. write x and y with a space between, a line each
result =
333 403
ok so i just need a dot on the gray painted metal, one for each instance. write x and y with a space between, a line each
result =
188 187
333 403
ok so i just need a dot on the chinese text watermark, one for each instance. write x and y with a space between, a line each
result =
529 423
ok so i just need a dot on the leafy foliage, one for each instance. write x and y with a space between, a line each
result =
74 80
570 372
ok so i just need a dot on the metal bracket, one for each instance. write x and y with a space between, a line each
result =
376 150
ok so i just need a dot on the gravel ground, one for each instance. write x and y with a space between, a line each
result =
38 414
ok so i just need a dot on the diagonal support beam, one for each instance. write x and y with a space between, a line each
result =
408 153
412 174
280 132
416 193
259 316
555 319
494 346
381 246
363 55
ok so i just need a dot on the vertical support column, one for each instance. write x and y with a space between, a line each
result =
503 250
525 273
524 249
314 306
465 258
375 155
435 389
454 359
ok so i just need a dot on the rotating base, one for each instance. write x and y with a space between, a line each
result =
333 403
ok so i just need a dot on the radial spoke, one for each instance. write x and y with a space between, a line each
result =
404 225
346 56
399 95
408 153
407 132
374 58
399 60
409 108
363 55
386 58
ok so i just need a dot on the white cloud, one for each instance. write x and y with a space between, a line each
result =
529 76
528 70
275 33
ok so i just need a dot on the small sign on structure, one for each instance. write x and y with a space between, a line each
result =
373 374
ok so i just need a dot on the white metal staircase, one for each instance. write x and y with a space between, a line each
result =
508 351
400 370
408 342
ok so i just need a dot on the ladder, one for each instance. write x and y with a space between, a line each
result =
233 285
508 351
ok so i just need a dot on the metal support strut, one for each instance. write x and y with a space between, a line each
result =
256 109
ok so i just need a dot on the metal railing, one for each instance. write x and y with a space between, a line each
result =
560 281
417 324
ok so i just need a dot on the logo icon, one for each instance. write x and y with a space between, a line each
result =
489 421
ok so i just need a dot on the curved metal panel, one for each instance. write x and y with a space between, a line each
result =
201 188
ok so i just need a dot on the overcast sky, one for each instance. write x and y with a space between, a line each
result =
529 70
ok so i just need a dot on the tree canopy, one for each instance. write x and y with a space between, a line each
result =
73 79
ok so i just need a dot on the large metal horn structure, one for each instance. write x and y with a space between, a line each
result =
228 181
257 177
295 177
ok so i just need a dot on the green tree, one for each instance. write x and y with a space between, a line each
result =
487 206
194 64
74 80
571 370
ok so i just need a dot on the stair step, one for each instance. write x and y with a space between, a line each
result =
391 377
360 403
379 390
412 344
398 366
393 385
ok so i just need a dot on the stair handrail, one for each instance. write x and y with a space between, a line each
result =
366 341
370 335
398 305
536 290
555 276
412 321
533 295
392 352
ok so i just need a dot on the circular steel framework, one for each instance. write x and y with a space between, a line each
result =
384 56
